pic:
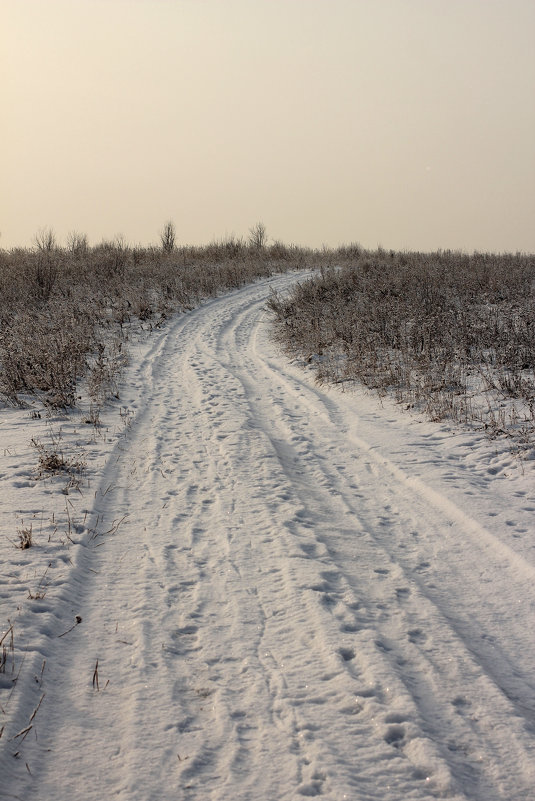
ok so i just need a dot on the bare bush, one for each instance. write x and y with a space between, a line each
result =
168 237
43 348
45 240
25 538
52 460
258 236
105 369
66 314
77 244
449 333
46 271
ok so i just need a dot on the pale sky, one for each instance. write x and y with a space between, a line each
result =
408 124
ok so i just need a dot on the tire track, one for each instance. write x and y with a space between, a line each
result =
285 611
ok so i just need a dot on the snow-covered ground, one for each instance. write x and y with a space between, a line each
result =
281 590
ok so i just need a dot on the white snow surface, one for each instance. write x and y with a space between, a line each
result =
290 590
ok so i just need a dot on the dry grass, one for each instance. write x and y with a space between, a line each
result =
25 538
51 459
448 333
8 649
67 313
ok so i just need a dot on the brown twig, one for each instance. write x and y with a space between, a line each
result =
23 733
77 620
35 711
95 677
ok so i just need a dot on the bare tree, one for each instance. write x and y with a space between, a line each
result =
46 266
258 236
45 240
77 243
168 237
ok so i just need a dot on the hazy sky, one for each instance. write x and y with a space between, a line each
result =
404 123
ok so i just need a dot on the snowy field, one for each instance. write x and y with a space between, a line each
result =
249 588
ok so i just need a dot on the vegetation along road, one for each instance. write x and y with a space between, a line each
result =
274 590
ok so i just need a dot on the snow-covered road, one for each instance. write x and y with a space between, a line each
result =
305 593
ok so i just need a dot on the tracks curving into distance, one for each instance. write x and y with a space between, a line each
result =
298 603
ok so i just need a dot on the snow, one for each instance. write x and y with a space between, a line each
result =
284 590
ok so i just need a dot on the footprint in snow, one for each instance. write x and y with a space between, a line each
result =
417 636
460 703
313 787
395 736
382 646
349 628
309 549
347 654
422 566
